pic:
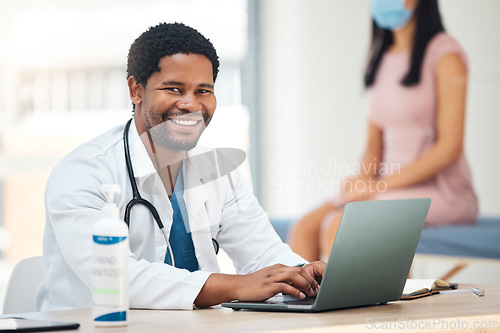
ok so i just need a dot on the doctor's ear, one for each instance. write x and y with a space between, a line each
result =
134 90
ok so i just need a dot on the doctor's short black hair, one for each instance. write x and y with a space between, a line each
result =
163 40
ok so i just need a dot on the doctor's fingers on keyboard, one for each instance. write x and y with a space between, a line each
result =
316 269
298 278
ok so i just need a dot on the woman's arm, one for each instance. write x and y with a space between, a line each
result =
451 85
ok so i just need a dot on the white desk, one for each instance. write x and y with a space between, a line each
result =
433 313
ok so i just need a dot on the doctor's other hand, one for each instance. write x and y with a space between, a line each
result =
316 269
299 282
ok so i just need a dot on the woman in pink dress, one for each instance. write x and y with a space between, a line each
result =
416 80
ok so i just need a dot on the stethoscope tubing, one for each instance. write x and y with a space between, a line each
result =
136 196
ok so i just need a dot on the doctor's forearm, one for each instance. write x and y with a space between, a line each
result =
217 289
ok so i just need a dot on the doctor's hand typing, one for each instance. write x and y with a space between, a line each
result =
259 286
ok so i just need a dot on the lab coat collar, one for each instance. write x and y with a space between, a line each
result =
141 163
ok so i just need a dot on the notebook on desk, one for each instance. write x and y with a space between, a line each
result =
369 261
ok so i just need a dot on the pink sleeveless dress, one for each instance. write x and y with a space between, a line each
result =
407 117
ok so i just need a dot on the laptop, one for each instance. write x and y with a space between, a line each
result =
369 261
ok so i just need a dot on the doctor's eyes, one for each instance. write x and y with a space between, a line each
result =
172 89
179 91
204 91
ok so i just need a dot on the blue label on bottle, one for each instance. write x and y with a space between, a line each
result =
114 316
107 240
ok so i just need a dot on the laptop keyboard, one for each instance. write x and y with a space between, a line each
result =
290 300
305 301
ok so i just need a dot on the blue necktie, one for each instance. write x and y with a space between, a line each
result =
180 240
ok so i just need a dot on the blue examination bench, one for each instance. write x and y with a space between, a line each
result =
479 240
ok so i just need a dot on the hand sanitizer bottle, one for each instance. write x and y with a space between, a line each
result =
110 264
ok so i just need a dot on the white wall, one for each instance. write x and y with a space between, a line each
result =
313 111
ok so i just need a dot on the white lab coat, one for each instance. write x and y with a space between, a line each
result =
73 202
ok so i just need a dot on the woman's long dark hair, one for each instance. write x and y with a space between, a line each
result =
428 24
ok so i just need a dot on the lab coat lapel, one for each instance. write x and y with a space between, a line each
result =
195 197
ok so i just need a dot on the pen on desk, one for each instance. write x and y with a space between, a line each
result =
478 292
456 291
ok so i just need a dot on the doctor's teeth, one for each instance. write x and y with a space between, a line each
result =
185 122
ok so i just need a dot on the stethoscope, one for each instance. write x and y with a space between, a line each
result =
137 199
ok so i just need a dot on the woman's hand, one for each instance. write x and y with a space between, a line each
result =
360 188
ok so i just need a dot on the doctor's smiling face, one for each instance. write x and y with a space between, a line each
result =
177 103
171 71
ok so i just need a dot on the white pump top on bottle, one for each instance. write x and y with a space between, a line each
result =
110 209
